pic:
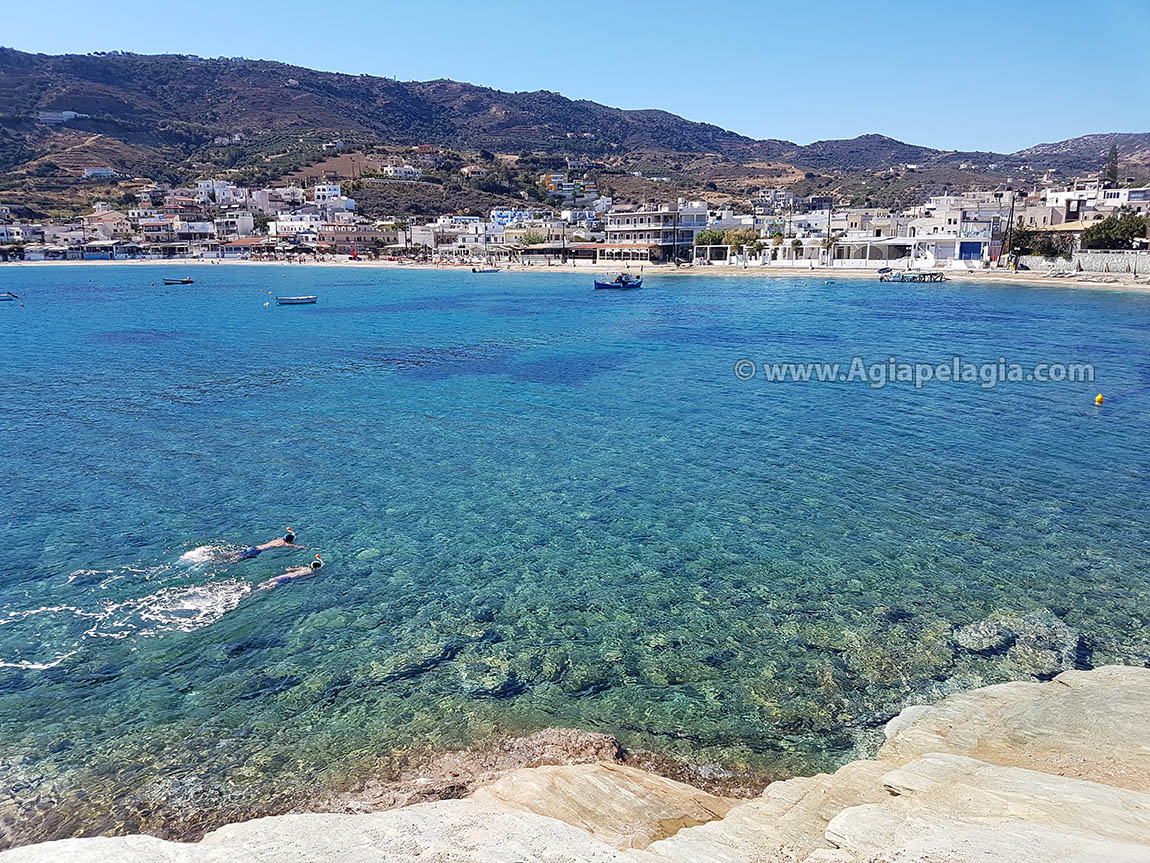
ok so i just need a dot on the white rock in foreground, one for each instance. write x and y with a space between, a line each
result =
1091 725
622 806
1018 773
450 831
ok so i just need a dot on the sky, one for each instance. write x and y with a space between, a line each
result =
997 75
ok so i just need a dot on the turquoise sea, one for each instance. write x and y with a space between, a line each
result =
539 505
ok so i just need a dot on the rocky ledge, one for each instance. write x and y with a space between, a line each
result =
1015 773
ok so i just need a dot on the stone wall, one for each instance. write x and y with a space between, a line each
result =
1092 262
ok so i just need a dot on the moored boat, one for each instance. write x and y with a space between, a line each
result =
485 269
912 276
184 281
619 282
295 301
8 297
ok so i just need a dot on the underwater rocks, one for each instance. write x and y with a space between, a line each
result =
986 637
1038 644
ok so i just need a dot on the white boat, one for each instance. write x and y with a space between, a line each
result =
485 269
8 297
295 301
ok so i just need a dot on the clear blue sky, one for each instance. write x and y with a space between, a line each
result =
973 75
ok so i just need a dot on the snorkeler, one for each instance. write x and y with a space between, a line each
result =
285 541
289 575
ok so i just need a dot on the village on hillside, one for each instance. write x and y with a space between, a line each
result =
572 222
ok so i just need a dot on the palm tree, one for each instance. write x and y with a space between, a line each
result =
403 226
829 243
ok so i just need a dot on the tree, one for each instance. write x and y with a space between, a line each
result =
402 227
1022 240
829 243
709 237
738 237
1112 165
531 238
1117 232
1052 245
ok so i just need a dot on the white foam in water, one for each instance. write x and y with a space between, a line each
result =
200 554
84 573
73 621
171 609
56 632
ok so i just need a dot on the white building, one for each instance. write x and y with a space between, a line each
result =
508 216
274 200
327 192
234 225
220 192
669 229
402 172
292 224
329 197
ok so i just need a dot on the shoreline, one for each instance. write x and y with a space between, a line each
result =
1067 756
1124 282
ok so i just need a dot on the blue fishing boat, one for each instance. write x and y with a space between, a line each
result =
619 282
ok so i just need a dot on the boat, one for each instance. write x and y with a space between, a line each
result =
621 282
295 301
184 281
8 297
912 276
485 269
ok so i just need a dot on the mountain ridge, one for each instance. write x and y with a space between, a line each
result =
157 116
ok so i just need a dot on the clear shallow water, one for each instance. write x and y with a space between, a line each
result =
540 505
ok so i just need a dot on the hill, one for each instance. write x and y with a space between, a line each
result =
161 117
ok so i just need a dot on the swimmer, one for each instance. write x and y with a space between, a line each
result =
285 541
291 574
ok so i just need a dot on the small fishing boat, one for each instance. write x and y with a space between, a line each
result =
619 282
184 281
295 301
8 297
485 269
912 276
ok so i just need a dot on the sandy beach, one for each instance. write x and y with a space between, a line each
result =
1094 281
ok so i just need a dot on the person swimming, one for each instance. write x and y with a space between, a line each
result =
292 574
285 541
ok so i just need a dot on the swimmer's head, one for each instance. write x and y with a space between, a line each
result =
317 563
289 536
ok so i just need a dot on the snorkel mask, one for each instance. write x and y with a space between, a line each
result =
317 563
289 537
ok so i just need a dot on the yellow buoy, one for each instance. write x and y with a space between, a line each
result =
1098 399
